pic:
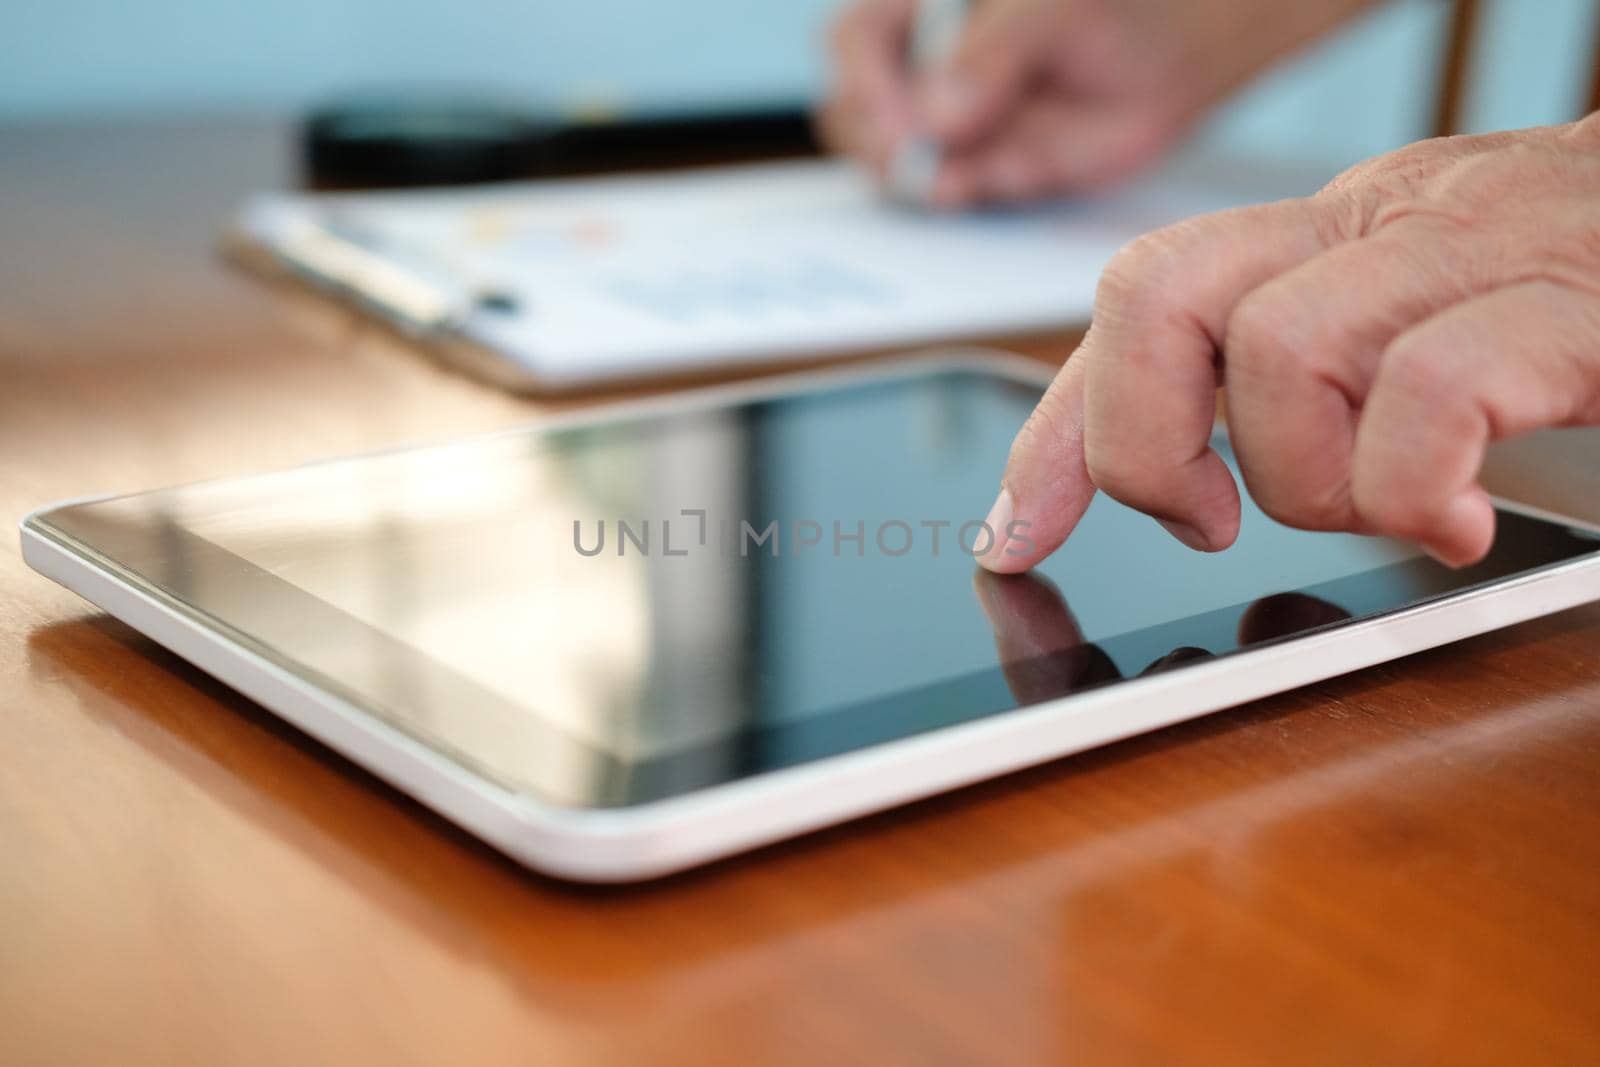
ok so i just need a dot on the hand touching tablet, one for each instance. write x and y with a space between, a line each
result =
1373 340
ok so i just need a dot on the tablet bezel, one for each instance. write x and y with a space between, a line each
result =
661 836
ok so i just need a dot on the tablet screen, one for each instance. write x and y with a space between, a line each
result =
621 612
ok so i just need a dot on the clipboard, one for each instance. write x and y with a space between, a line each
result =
581 283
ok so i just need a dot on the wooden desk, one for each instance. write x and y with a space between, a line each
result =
1400 865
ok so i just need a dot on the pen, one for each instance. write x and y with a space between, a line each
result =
935 30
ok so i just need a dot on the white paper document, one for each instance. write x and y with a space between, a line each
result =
581 281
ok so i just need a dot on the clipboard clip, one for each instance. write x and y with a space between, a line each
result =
417 304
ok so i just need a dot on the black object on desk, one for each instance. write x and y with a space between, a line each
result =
410 139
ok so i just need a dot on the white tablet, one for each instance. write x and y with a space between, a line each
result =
623 644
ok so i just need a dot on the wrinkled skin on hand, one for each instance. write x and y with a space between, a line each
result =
1373 340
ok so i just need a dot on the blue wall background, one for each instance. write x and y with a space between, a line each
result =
1364 91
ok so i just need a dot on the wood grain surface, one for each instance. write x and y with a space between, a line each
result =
1396 866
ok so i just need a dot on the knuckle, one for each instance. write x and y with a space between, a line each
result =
1144 260
1404 170
1457 182
1359 198
1124 275
1416 369
1141 270
1485 185
1345 213
1264 335
1414 168
1416 179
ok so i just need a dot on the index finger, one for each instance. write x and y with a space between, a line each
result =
1138 398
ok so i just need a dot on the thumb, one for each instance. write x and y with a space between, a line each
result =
1002 48
1045 478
